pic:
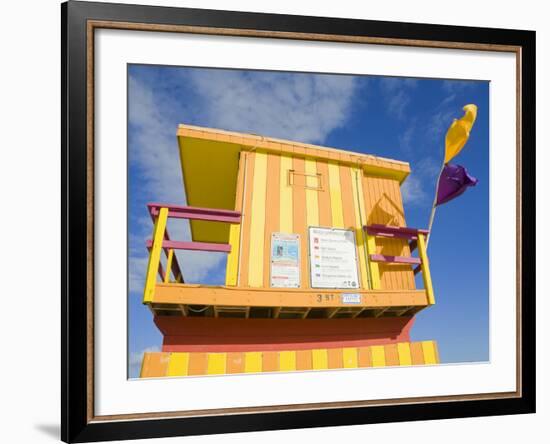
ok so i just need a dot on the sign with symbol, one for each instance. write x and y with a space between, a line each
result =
285 260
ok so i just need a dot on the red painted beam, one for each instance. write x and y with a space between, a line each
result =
392 231
197 246
188 334
394 259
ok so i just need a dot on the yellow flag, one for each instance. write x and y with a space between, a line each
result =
459 132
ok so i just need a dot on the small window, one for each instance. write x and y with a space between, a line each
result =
305 180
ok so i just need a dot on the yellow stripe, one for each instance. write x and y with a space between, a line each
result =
350 357
404 351
216 363
287 361
319 359
426 275
179 362
378 356
257 223
429 352
360 220
252 362
232 267
335 195
154 256
373 266
312 204
285 205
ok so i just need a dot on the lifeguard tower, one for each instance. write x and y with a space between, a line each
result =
320 263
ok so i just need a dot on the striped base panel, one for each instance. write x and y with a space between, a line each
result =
160 364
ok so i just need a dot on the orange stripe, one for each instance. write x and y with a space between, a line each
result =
245 252
240 184
436 352
325 215
271 211
303 360
335 358
198 363
235 362
299 217
364 357
392 354
155 364
417 354
270 361
347 197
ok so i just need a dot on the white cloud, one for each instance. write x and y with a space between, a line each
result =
412 191
291 106
397 93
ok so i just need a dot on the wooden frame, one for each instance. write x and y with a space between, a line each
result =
79 20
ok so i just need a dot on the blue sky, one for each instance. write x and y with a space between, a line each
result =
400 118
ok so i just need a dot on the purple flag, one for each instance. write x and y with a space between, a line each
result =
453 182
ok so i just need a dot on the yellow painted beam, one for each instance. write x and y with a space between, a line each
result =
169 266
285 205
257 223
287 361
154 256
335 195
428 347
378 356
312 204
216 363
232 267
425 266
349 357
319 359
404 352
253 362
178 365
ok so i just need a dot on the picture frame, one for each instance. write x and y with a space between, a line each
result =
80 20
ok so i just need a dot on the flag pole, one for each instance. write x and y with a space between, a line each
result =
434 206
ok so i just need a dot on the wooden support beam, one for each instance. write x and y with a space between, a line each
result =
332 312
380 312
306 313
184 310
276 312
154 256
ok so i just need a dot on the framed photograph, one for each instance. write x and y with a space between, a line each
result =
275 221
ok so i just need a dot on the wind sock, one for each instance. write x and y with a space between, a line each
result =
453 180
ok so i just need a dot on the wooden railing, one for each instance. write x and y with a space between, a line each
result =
417 239
161 242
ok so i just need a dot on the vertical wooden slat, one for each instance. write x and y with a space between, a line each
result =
319 359
378 356
285 206
364 357
232 266
335 195
299 219
312 204
257 226
335 358
253 362
178 365
169 260
325 215
303 360
429 352
246 220
197 364
216 363
271 212
425 266
360 220
417 353
235 362
155 365
287 361
404 351
154 255
349 356
270 361
392 355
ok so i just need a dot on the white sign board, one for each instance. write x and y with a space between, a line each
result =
333 258
285 260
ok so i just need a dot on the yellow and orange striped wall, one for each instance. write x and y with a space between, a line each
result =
288 194
161 364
